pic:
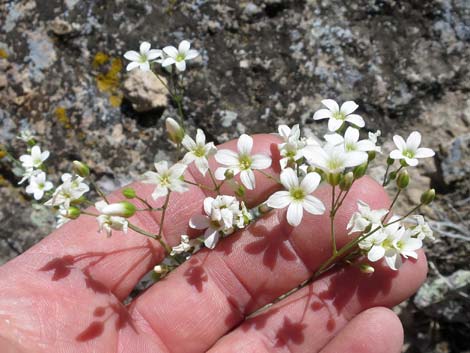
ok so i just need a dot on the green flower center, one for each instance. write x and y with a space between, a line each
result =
297 194
334 164
143 58
408 153
199 151
339 116
350 147
245 162
180 57
165 180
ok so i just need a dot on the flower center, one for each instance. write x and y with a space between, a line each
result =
297 194
408 153
199 151
335 163
339 116
245 162
143 58
165 180
350 147
180 57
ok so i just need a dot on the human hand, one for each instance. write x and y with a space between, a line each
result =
65 294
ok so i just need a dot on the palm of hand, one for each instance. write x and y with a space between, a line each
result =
65 294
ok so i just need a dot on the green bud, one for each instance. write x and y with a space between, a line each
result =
428 196
120 209
390 161
228 174
78 201
365 268
333 179
240 191
129 193
360 170
73 212
81 169
403 163
403 179
371 155
174 130
392 175
346 181
311 169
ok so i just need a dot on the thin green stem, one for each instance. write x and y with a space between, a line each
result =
202 186
216 186
162 220
150 235
144 201
269 176
332 222
386 175
99 191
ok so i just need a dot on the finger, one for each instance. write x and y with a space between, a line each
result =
308 320
376 330
213 292
120 261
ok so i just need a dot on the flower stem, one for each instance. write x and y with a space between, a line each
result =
99 191
269 176
150 235
332 222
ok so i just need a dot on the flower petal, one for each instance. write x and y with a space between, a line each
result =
355 119
351 136
322 114
180 65
168 62
200 137
171 51
188 143
199 221
355 158
399 142
313 205
289 179
310 182
191 54
295 213
260 161
331 105
279 199
153 54
220 173
348 107
413 141
144 47
132 65
396 154
424 152
227 157
211 237
202 165
248 179
376 253
132 55
412 162
245 144
184 47
334 124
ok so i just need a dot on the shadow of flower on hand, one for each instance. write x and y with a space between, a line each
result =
272 243
196 274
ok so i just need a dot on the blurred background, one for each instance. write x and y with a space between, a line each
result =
262 63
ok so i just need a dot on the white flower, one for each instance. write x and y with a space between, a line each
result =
244 217
142 60
337 116
409 150
373 137
61 216
242 162
422 230
72 188
185 245
365 217
26 135
291 148
38 185
222 215
35 159
28 174
108 223
297 196
198 151
350 141
166 179
333 159
179 56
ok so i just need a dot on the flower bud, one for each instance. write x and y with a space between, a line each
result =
390 161
403 179
73 212
371 155
333 179
403 163
360 170
229 174
392 175
346 181
174 130
428 196
120 209
129 193
240 192
311 169
160 269
365 268
81 169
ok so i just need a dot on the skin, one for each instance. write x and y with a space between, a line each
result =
66 293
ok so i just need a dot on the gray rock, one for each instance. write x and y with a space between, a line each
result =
456 162
145 91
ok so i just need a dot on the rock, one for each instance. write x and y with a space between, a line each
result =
61 27
145 91
456 162
446 297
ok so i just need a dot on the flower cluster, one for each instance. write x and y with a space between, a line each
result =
32 165
166 57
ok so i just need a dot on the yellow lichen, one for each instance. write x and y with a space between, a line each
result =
109 81
3 152
62 117
3 54
100 59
